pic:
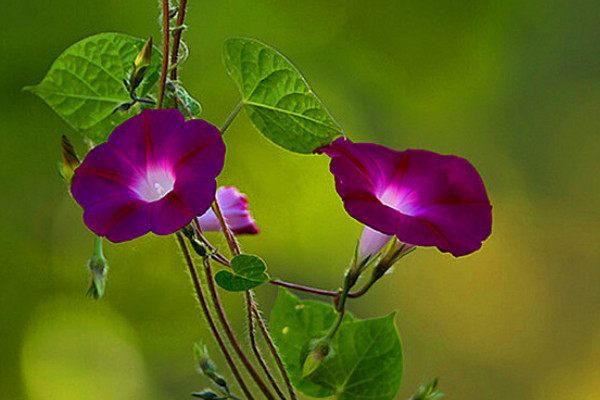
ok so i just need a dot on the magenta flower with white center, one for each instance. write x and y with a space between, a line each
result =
155 174
421 197
234 206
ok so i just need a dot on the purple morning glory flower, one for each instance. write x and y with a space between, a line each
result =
155 173
424 198
235 210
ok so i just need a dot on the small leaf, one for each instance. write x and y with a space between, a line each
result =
366 357
85 83
277 98
193 106
248 273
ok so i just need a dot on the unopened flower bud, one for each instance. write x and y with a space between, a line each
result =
140 65
204 362
207 395
428 391
207 367
320 350
69 162
98 268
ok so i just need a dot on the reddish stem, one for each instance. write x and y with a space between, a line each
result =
165 60
177 37
208 315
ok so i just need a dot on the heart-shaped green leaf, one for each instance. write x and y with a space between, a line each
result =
277 98
365 362
85 83
248 272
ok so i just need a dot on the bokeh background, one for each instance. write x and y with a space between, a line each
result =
514 86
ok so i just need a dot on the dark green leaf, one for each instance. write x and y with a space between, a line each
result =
248 273
85 83
277 98
366 357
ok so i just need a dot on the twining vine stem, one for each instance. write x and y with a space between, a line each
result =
232 242
269 340
227 327
256 350
165 60
234 246
177 37
207 314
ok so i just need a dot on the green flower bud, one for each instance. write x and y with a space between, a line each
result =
140 66
321 348
204 362
427 391
207 395
69 162
98 268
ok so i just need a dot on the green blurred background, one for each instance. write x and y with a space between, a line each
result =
514 86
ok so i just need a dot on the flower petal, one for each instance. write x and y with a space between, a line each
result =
424 198
235 210
155 172
103 174
196 194
371 241
119 219
199 152
169 215
147 137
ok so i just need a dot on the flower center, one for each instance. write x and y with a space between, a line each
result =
155 184
400 198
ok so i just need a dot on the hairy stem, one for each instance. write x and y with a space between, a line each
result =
218 257
232 116
177 37
209 318
235 250
255 349
227 327
165 60
234 246
276 356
